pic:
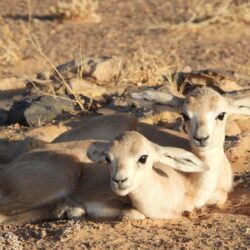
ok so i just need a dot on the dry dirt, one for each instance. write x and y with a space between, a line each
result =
126 27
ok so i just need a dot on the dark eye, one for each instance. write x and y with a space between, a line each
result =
185 117
107 159
221 116
143 159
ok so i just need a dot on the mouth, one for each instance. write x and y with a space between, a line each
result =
120 191
200 144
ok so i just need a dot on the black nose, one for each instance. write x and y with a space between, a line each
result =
201 139
119 180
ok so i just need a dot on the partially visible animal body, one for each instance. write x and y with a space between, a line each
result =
49 184
100 128
38 185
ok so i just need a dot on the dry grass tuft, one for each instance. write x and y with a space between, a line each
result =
51 68
146 69
77 9
219 11
203 12
10 51
142 68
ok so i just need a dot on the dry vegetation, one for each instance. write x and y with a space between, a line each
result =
202 13
76 9
51 68
10 51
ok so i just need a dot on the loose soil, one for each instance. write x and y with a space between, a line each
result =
125 28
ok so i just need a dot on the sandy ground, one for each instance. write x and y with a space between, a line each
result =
125 28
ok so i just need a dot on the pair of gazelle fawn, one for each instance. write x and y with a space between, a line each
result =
129 175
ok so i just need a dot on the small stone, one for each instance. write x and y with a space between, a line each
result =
218 244
43 233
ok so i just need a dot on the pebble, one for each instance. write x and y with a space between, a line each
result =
43 233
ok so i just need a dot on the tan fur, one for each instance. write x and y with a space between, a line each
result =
74 148
205 96
95 128
203 106
49 184
203 109
108 127
41 184
152 193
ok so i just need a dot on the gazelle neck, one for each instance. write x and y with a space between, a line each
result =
153 179
212 156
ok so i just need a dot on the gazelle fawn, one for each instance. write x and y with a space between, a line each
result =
54 183
205 112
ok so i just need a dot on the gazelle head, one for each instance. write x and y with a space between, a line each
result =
131 158
204 112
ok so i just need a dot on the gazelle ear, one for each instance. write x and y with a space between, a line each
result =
96 151
239 102
165 98
180 159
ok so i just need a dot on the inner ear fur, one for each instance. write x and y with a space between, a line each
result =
180 159
96 152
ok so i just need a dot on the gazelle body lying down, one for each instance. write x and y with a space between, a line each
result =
108 127
95 128
205 112
47 184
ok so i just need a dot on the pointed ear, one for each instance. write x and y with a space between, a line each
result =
180 159
239 102
96 151
159 97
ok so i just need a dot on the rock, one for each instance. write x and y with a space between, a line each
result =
82 86
232 128
106 111
103 69
36 110
10 241
3 116
237 124
244 124
44 75
43 233
240 152
108 70
162 118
